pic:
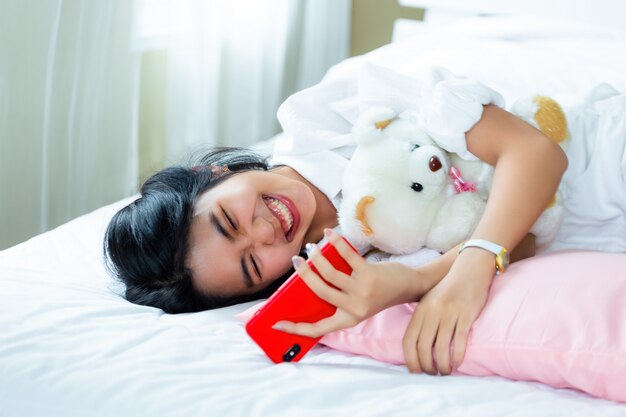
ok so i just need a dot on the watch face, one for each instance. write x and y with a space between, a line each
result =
502 260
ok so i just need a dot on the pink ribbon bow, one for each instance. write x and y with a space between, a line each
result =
460 185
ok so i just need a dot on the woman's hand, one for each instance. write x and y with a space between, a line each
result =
444 316
372 287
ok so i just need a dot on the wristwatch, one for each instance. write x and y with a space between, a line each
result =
502 255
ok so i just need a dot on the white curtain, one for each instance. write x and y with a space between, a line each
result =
232 62
68 90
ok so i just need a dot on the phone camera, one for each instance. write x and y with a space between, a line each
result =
291 353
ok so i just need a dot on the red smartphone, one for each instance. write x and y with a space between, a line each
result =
294 301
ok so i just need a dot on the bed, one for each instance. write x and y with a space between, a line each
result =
70 345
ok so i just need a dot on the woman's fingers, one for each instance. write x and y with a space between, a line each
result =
327 271
324 326
425 342
427 330
317 284
343 248
409 342
443 342
460 341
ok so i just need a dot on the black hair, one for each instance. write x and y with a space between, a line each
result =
146 243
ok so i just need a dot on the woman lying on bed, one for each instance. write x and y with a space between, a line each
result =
229 229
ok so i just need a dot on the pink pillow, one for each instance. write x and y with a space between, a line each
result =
559 319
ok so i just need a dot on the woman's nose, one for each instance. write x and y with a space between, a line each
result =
263 231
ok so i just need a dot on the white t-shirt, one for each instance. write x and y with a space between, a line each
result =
317 142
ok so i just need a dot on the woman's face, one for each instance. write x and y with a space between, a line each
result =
246 229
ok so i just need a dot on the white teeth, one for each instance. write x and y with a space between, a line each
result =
281 211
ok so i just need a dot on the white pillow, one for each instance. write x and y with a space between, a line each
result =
513 55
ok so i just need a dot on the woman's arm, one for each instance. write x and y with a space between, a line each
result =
528 169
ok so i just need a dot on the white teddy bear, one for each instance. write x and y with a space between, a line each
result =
403 193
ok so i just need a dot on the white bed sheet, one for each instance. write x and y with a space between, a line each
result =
70 345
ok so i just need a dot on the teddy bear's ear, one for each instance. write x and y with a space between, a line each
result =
545 114
371 123
550 118
383 124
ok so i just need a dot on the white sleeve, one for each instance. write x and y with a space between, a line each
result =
451 106
317 121
316 139
308 118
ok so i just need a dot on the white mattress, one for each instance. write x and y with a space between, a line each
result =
71 346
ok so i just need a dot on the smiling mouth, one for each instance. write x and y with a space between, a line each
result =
281 210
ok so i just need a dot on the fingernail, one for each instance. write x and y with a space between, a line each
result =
297 261
278 326
329 232
309 248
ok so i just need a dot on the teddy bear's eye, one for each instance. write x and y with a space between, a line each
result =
416 186
414 147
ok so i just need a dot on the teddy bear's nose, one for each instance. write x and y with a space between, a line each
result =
434 164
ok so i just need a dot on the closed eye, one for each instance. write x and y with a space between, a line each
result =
256 267
414 147
217 224
229 220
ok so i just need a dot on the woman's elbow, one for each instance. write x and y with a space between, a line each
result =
554 156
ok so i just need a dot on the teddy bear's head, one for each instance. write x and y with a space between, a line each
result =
395 185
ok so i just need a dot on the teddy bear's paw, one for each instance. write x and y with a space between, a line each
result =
455 221
417 258
545 114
